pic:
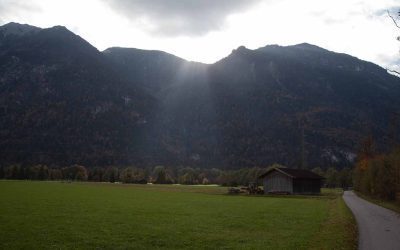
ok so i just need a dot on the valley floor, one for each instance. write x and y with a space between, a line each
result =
56 215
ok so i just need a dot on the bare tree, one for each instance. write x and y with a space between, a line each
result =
397 24
394 20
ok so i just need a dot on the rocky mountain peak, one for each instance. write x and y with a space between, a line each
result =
17 29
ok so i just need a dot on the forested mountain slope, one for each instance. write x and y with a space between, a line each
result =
62 102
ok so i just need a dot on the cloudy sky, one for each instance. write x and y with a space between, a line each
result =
207 30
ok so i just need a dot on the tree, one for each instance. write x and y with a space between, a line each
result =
344 178
97 174
397 25
188 176
55 174
133 175
126 175
331 176
75 172
43 172
111 174
160 175
366 153
13 172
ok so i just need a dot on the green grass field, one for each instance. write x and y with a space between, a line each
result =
55 215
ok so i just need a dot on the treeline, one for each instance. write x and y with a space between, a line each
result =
378 175
42 172
163 175
335 178
156 175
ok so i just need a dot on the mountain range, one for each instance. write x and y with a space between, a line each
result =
62 102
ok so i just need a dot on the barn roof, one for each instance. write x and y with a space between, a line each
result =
295 173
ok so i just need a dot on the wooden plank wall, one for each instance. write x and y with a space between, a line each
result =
277 182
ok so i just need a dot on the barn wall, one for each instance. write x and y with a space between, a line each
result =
277 182
306 186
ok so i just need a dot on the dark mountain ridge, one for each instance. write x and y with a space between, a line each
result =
335 98
62 102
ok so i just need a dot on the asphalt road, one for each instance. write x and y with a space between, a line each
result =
379 228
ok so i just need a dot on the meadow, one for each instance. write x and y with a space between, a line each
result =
61 215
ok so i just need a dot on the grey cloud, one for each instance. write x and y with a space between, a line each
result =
391 62
10 9
180 17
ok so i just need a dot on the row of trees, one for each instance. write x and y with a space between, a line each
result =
160 175
42 172
378 175
173 175
157 175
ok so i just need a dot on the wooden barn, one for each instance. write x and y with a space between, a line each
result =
291 181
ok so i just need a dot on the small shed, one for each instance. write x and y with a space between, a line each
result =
291 181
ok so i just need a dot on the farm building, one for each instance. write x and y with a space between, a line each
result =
292 181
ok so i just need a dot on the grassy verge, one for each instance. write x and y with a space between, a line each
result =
339 231
392 205
52 215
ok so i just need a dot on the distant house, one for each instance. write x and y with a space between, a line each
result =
291 181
